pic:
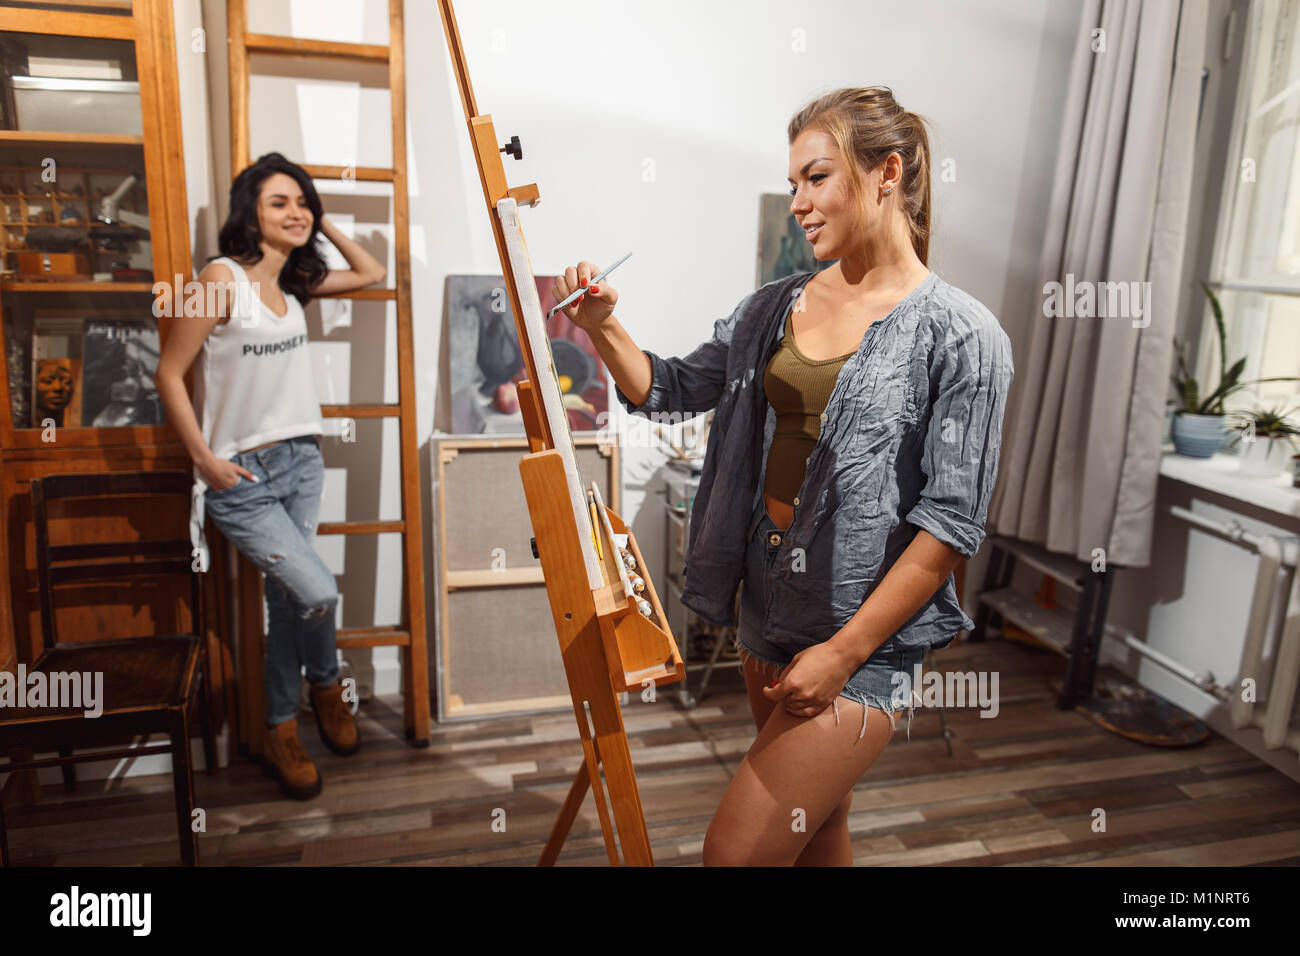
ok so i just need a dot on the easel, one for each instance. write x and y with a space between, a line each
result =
608 643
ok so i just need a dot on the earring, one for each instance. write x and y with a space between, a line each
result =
889 190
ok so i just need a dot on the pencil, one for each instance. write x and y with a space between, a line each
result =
595 526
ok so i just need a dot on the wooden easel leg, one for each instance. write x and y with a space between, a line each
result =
568 813
588 775
611 741
597 791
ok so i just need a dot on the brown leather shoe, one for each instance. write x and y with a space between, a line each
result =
334 719
284 759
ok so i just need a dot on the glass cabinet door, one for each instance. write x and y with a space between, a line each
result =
77 249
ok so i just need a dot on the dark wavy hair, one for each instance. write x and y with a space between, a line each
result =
240 239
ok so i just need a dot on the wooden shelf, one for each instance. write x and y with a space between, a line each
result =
1054 628
72 21
1063 568
24 137
76 286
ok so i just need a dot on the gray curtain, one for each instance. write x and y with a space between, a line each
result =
1081 447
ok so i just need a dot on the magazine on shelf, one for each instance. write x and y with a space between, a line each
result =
121 357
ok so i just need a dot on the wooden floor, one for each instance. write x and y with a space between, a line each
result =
1020 788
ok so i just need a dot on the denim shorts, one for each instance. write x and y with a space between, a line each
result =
874 684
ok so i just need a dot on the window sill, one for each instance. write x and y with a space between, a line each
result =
1221 474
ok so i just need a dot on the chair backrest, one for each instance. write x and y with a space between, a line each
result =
105 561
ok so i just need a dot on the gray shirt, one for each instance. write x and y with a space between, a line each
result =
909 439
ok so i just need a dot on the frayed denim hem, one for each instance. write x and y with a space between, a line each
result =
885 704
771 670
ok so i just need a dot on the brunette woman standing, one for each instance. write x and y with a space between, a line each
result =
253 433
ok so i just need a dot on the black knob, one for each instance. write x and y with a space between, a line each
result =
533 542
514 148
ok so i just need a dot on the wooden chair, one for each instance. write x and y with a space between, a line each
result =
151 685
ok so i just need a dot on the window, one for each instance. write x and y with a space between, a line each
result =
1256 266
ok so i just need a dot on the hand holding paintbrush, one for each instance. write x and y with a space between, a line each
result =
582 298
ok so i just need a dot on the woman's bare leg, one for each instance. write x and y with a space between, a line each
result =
796 780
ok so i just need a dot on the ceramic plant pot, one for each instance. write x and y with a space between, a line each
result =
1198 436
1265 457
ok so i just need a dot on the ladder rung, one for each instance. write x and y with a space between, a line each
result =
361 411
360 527
369 174
294 46
372 637
362 294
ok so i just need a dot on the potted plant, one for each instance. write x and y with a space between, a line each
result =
1200 423
1265 459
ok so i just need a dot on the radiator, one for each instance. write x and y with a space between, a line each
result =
1276 691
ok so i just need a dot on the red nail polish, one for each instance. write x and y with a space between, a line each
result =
595 289
774 683
583 281
581 297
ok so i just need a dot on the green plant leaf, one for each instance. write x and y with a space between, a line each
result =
1218 324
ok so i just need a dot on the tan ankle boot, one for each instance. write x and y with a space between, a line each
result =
284 759
338 728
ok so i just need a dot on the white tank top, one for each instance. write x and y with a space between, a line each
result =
253 382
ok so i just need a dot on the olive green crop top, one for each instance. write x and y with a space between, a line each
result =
798 389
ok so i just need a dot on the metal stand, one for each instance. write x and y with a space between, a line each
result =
679 520
945 731
1134 713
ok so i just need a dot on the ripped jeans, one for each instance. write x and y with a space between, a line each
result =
876 683
273 522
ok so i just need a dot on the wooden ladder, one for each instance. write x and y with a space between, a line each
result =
411 636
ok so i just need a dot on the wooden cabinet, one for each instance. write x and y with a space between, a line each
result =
92 214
